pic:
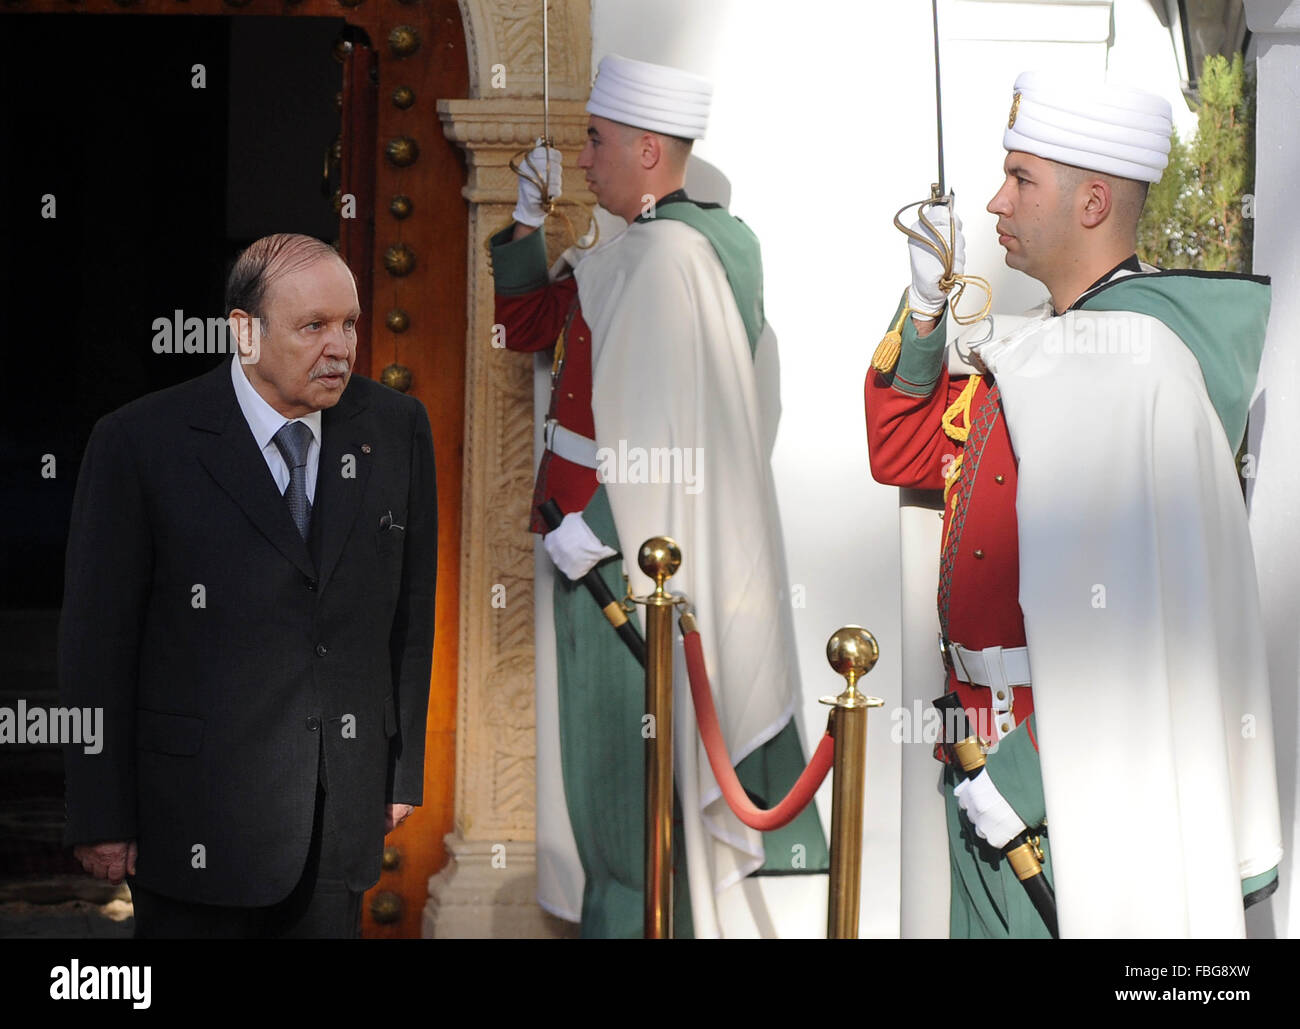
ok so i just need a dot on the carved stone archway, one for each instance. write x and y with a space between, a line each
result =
489 886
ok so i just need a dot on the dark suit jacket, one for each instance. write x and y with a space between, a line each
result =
225 650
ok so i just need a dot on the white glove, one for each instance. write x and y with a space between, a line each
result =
988 810
528 211
925 298
574 548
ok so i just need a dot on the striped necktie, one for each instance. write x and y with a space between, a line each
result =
292 441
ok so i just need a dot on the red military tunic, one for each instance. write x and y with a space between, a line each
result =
535 312
979 603
908 447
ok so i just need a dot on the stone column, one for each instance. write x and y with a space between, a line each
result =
488 888
1275 415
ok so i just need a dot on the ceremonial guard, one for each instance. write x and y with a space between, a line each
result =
1097 595
662 417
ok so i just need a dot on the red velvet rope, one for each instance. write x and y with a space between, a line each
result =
714 745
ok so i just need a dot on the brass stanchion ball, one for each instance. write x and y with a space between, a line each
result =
659 557
851 649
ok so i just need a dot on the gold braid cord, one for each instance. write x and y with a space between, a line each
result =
887 353
960 408
522 165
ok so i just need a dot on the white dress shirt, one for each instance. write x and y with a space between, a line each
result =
265 421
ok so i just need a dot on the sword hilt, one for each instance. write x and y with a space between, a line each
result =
614 612
1023 852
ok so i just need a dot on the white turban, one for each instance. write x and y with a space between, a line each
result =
651 96
1110 129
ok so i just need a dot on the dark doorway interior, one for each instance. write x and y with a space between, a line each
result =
157 178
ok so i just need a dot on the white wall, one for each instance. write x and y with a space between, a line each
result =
1275 416
823 120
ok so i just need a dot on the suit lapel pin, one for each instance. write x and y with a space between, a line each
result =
365 448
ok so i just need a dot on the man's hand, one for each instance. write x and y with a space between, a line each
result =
395 815
993 818
924 326
925 298
574 548
111 861
528 211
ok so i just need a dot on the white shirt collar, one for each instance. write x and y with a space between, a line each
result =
263 419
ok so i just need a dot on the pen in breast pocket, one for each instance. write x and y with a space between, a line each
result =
386 522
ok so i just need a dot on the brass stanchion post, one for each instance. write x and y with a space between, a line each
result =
852 652
659 558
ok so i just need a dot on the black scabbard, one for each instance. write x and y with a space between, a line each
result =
1020 851
614 613
1040 891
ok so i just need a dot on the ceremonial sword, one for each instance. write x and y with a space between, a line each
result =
524 159
614 612
546 140
952 283
937 192
546 89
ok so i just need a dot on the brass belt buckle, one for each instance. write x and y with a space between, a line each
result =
945 653
948 649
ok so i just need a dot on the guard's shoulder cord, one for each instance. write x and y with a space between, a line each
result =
959 408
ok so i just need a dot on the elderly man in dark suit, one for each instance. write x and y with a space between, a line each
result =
250 600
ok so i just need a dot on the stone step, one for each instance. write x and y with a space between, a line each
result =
58 889
64 907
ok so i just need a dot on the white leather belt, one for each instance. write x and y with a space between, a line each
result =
992 666
997 668
568 444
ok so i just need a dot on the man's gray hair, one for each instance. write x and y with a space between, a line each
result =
266 260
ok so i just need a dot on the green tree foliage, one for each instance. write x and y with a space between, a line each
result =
1197 215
